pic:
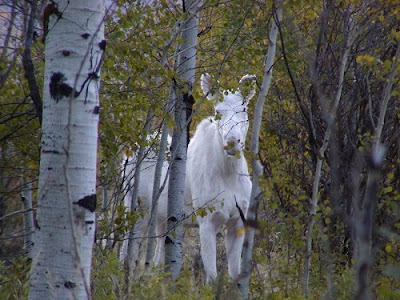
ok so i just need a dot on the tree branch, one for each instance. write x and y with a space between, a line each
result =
28 65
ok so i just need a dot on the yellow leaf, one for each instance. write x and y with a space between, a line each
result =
388 189
240 231
32 165
365 59
128 152
388 248
201 212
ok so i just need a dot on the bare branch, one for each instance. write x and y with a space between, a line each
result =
14 213
28 65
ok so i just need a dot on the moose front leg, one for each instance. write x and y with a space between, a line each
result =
208 250
234 245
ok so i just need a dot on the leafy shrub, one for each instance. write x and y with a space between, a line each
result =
14 278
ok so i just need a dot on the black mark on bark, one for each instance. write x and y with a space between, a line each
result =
51 151
58 87
88 202
96 110
102 45
168 240
85 35
69 284
172 219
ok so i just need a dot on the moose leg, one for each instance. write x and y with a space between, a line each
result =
234 244
208 250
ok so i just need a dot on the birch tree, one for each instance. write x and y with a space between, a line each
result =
29 241
158 186
329 114
8 28
75 48
183 103
256 193
134 242
27 62
365 210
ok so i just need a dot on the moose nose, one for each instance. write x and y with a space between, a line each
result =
232 147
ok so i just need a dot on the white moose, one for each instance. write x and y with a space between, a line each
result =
217 174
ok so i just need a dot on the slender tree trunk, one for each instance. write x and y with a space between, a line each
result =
330 117
27 62
161 158
134 241
183 91
105 209
29 240
157 187
75 47
247 253
5 71
157 190
364 218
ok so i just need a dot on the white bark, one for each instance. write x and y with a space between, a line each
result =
157 189
107 243
247 251
157 223
67 182
387 95
176 187
134 240
29 241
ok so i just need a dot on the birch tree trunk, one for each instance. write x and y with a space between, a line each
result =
136 232
247 251
157 190
157 187
183 91
363 220
29 241
330 117
75 47
27 62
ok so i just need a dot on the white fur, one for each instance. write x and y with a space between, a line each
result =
217 177
145 192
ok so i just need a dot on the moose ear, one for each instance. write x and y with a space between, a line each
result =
248 86
206 86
